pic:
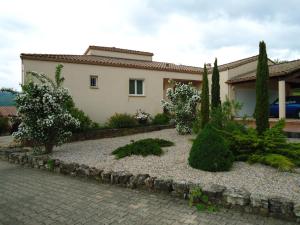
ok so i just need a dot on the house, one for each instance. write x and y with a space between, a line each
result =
8 111
106 80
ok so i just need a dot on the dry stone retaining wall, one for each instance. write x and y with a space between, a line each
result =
228 197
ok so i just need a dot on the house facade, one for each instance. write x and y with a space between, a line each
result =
108 80
104 80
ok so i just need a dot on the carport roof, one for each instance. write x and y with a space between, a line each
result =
276 70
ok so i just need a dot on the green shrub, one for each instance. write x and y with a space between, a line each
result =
161 119
4 124
122 120
85 122
143 147
197 123
275 160
200 200
210 151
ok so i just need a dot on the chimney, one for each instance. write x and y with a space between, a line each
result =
208 66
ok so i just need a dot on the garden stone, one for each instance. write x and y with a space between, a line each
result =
214 192
259 203
120 178
236 197
94 173
281 206
163 185
149 183
181 189
297 211
106 176
68 168
57 162
82 171
137 181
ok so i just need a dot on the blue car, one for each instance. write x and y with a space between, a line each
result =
292 107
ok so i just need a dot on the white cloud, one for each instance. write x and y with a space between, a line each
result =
173 35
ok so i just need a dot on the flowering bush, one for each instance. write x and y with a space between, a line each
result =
42 107
142 117
183 100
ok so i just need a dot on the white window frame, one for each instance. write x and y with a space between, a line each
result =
135 87
97 81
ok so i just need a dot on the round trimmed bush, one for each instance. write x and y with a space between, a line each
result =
210 152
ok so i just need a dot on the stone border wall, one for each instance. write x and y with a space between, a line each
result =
114 132
227 197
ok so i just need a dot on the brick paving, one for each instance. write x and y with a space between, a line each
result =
29 196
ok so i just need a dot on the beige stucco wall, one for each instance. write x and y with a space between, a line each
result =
224 91
119 55
113 93
244 69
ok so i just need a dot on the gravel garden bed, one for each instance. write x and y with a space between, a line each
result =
173 165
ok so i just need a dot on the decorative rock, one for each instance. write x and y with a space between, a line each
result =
68 168
281 206
236 197
83 171
297 211
214 192
163 185
94 173
120 178
41 162
137 181
106 176
149 182
181 189
259 203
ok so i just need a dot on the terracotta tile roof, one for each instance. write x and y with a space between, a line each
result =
114 62
121 50
275 70
8 111
235 64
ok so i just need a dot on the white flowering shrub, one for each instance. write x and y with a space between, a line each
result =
142 117
183 100
45 119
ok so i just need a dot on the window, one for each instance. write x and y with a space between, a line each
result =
136 87
94 81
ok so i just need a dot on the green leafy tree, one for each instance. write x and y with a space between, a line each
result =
204 99
262 90
215 87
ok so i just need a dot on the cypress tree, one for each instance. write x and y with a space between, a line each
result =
204 99
262 91
215 87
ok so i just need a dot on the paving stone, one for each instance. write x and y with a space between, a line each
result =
31 196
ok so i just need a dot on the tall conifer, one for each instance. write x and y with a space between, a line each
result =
204 99
215 86
262 91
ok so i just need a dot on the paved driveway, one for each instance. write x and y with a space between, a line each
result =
29 196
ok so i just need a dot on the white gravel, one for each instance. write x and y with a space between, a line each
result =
173 164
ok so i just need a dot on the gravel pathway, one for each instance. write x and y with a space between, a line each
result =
173 164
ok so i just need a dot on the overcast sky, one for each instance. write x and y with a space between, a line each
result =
189 32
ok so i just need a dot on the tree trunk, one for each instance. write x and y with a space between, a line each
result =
48 148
